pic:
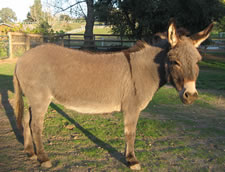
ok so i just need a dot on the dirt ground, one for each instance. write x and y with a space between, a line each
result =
8 60
12 155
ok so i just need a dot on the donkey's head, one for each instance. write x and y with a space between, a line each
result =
182 67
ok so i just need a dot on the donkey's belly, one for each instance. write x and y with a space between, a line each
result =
94 109
90 99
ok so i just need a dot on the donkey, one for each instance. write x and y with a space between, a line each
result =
102 83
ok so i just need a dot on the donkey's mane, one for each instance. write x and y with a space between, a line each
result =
137 47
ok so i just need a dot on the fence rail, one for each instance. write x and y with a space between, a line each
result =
15 44
217 44
21 42
100 41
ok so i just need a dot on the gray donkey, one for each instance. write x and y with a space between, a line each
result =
103 82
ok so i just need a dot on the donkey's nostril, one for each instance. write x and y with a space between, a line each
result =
195 95
186 95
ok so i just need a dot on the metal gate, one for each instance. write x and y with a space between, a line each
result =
4 46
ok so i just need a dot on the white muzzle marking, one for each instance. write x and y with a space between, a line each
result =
190 87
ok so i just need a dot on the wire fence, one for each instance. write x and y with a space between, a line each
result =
4 46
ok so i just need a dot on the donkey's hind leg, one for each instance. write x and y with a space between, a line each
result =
28 140
38 110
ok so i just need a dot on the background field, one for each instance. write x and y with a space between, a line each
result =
170 136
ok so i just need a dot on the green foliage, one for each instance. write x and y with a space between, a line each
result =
221 25
29 18
43 28
3 49
15 28
36 13
142 18
7 15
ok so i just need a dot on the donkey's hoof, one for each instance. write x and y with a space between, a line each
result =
33 157
46 164
135 167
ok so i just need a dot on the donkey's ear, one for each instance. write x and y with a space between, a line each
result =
172 34
198 38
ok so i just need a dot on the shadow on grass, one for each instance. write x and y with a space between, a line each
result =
5 86
112 151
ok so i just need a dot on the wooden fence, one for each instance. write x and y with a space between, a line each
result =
18 43
99 41
217 45
21 42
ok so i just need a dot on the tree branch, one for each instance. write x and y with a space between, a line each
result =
82 11
64 9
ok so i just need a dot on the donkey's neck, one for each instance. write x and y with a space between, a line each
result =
148 72
157 62
163 69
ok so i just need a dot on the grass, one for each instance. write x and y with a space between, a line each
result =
170 135
212 76
6 72
67 26
97 30
105 30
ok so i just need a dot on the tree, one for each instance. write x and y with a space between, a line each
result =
43 28
7 15
29 18
89 27
75 7
221 25
36 13
198 13
142 18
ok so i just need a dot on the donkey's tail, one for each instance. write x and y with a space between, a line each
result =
19 104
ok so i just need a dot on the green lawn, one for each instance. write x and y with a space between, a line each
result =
170 136
212 75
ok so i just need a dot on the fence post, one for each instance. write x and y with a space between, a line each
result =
27 42
10 45
121 40
42 39
69 41
62 40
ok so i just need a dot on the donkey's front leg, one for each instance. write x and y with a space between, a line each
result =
130 123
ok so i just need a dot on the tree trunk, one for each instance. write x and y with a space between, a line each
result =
90 19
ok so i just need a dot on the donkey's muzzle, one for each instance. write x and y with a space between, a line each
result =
189 93
188 97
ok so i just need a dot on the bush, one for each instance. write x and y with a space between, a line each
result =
43 28
3 49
